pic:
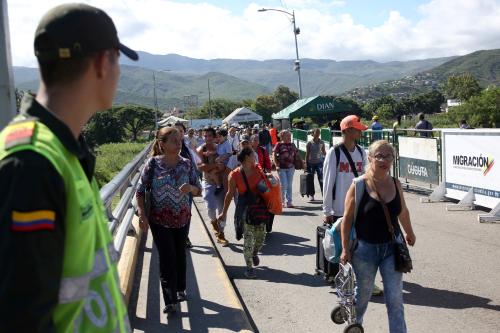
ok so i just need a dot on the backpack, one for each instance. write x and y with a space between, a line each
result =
332 243
337 149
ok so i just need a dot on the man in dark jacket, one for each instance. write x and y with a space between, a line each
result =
265 139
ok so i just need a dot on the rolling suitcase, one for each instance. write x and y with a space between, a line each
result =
323 266
307 184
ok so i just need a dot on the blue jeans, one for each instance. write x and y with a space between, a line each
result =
286 180
318 168
269 148
366 260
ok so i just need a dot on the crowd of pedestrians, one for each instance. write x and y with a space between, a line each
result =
233 164
68 257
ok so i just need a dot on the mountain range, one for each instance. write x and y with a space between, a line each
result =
177 76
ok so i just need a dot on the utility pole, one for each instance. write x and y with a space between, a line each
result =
296 31
209 103
156 103
7 89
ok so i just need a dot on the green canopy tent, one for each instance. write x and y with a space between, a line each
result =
310 107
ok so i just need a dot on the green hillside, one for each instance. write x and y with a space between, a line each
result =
319 76
136 86
484 65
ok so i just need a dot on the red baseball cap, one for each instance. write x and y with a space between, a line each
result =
352 121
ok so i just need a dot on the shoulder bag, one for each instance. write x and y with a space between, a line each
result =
402 259
332 243
148 194
297 162
257 211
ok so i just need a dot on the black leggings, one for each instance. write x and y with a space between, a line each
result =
171 245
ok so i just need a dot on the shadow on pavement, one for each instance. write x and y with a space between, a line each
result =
278 243
416 294
299 212
203 315
276 275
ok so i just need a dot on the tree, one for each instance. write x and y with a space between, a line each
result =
284 96
219 107
482 110
136 118
103 127
266 105
386 105
462 87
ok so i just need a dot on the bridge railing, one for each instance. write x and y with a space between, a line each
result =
123 187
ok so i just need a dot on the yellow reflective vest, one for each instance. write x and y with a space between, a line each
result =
89 296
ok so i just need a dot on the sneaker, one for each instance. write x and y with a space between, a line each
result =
170 308
222 240
181 296
215 227
290 205
377 291
189 245
250 273
255 260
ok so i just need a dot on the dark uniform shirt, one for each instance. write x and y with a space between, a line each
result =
31 260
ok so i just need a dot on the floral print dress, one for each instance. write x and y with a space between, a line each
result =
169 206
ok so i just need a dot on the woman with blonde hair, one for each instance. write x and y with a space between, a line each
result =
171 179
375 249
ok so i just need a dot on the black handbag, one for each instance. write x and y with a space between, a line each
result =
402 259
257 211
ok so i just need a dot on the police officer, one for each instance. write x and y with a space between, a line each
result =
57 260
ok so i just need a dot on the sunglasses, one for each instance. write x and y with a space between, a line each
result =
383 158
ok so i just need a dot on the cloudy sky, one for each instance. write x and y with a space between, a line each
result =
381 30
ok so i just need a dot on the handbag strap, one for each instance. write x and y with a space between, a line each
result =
386 212
349 158
151 174
250 193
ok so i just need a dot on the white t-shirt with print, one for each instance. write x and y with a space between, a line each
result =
343 179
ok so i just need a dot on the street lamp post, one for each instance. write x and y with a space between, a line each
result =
296 31
156 103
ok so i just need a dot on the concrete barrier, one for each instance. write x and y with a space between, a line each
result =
128 260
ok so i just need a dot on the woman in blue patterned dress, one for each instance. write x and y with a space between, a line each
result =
171 179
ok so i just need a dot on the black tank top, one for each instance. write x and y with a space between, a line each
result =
371 225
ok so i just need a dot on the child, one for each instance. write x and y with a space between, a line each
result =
224 151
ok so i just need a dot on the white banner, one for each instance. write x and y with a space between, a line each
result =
418 148
469 160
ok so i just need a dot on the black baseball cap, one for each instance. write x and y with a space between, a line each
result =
75 30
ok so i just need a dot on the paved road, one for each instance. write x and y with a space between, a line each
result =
454 287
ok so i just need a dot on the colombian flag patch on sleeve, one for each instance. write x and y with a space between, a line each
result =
33 221
19 133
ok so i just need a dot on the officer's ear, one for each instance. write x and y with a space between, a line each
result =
104 61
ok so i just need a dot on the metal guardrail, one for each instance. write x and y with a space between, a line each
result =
300 137
123 184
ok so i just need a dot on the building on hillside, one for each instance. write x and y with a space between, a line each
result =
451 103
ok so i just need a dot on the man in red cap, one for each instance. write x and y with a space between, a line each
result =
337 170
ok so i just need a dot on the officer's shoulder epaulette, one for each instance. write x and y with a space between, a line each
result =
20 131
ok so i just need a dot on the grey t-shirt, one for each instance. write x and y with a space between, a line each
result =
315 153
